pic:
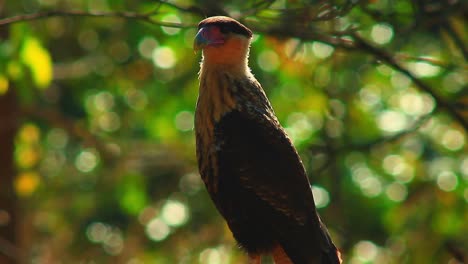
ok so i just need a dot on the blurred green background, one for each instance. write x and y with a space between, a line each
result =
97 98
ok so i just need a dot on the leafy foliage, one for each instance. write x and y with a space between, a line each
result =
373 94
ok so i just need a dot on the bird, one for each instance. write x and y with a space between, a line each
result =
251 170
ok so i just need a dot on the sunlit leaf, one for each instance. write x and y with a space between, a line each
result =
131 194
26 183
38 59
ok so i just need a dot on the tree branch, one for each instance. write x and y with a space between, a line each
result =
337 40
146 17
363 45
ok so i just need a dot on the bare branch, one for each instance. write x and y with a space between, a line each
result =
146 17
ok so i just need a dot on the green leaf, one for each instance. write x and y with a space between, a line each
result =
131 194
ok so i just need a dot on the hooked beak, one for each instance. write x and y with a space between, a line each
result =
207 36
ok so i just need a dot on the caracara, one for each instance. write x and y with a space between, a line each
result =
249 166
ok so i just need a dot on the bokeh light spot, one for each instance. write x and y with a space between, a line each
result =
334 128
27 156
299 127
4 84
110 237
447 181
190 183
322 50
57 138
366 250
29 133
109 121
321 196
217 255
370 96
174 213
424 69
26 183
268 60
136 99
453 140
441 164
400 81
382 33
396 192
86 160
371 187
146 46
393 164
157 230
184 121
210 256
104 101
398 167
172 18
392 121
367 181
97 232
113 243
412 104
164 57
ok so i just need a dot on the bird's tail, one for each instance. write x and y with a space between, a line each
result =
280 256
330 257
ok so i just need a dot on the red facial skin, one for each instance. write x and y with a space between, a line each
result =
213 35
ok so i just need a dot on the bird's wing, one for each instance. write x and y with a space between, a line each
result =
262 156
258 152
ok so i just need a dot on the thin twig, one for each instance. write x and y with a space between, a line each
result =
428 60
456 39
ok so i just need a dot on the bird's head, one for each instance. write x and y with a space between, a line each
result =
224 41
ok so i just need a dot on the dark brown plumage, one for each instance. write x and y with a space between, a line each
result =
250 167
